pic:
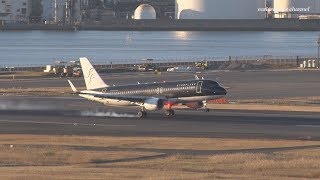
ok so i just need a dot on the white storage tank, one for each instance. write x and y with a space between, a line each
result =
280 8
145 11
295 8
220 9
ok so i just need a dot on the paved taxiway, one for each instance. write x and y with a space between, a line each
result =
244 85
22 116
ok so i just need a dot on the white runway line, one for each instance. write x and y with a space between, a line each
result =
309 125
73 124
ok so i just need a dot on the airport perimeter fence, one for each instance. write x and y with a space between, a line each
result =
293 61
211 61
15 68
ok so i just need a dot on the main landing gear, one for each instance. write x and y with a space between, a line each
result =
169 112
205 106
142 113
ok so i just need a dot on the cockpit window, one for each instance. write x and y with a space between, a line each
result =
215 83
219 84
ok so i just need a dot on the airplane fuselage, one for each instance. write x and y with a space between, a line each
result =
150 96
173 92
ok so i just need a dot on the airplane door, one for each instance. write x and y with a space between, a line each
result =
199 87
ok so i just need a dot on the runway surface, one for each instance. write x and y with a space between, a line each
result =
81 117
76 116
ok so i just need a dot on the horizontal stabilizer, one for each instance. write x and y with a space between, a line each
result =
72 86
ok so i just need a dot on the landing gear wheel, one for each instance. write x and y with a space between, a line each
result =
142 114
169 112
205 106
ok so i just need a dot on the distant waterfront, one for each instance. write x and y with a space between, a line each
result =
45 47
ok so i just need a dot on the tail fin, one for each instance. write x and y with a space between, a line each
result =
91 77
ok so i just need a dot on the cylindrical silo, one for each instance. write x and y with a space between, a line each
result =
294 8
57 11
220 9
145 11
281 8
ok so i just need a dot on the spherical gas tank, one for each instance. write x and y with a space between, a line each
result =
145 11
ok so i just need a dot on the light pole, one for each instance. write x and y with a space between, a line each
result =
318 42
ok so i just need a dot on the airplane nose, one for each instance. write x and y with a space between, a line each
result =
222 91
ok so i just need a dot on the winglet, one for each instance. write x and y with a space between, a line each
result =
72 86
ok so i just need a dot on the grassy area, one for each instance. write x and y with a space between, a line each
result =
49 91
265 107
308 100
297 164
151 142
25 75
84 157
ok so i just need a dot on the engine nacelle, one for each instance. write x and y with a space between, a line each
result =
153 104
194 105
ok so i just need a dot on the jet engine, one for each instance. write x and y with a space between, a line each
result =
194 105
153 104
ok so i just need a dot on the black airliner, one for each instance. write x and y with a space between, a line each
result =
152 96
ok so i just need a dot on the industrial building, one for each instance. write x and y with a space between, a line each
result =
220 9
296 8
123 12
61 11
12 11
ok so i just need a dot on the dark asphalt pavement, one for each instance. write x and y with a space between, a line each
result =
186 123
73 115
244 85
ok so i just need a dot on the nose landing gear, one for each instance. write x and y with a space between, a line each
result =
142 113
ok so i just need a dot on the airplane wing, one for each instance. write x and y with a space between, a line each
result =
135 99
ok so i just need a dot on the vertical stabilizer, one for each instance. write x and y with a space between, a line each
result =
91 77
